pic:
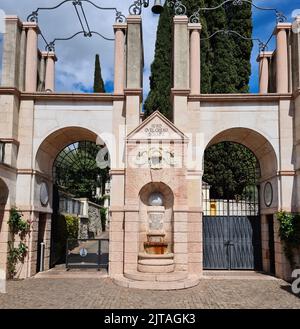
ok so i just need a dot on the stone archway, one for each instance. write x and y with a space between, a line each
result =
247 222
45 158
254 141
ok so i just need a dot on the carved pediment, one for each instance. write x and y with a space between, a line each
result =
156 127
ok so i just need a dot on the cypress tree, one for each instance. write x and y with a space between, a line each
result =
98 81
206 51
161 68
224 74
239 19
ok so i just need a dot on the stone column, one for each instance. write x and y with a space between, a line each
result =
181 71
264 74
119 82
11 51
181 53
31 56
22 59
282 79
50 72
195 58
295 41
134 72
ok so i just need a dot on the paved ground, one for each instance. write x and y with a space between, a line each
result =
102 293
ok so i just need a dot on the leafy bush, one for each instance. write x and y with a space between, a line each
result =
289 232
103 212
17 223
72 225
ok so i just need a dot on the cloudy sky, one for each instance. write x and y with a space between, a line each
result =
75 68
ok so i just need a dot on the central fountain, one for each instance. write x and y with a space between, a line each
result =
156 257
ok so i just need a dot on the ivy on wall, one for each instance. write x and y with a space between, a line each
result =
289 233
18 226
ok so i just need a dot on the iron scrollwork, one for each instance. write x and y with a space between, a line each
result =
136 7
178 6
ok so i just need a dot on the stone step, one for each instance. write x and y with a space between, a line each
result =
191 281
156 262
143 255
161 277
156 268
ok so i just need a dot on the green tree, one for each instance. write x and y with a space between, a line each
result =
77 172
161 68
231 170
239 19
225 58
223 75
98 81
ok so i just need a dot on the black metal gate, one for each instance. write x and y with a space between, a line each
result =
91 253
231 222
232 243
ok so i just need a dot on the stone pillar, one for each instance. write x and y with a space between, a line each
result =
264 74
181 79
50 72
134 72
295 40
11 52
116 223
31 56
195 58
181 53
42 71
120 68
282 78
22 59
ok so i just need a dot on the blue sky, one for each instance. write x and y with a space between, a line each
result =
76 57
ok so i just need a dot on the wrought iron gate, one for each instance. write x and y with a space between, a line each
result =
231 222
91 253
232 242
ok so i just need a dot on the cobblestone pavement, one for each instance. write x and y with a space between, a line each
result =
104 294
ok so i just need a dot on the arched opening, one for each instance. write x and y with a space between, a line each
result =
76 161
237 163
156 241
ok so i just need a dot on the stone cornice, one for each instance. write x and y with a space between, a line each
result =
181 19
61 96
134 19
9 141
296 93
195 26
180 92
134 92
8 168
264 54
13 19
71 96
10 91
120 26
50 54
32 25
280 26
238 97
33 172
117 172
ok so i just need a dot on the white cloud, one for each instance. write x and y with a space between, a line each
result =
75 66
